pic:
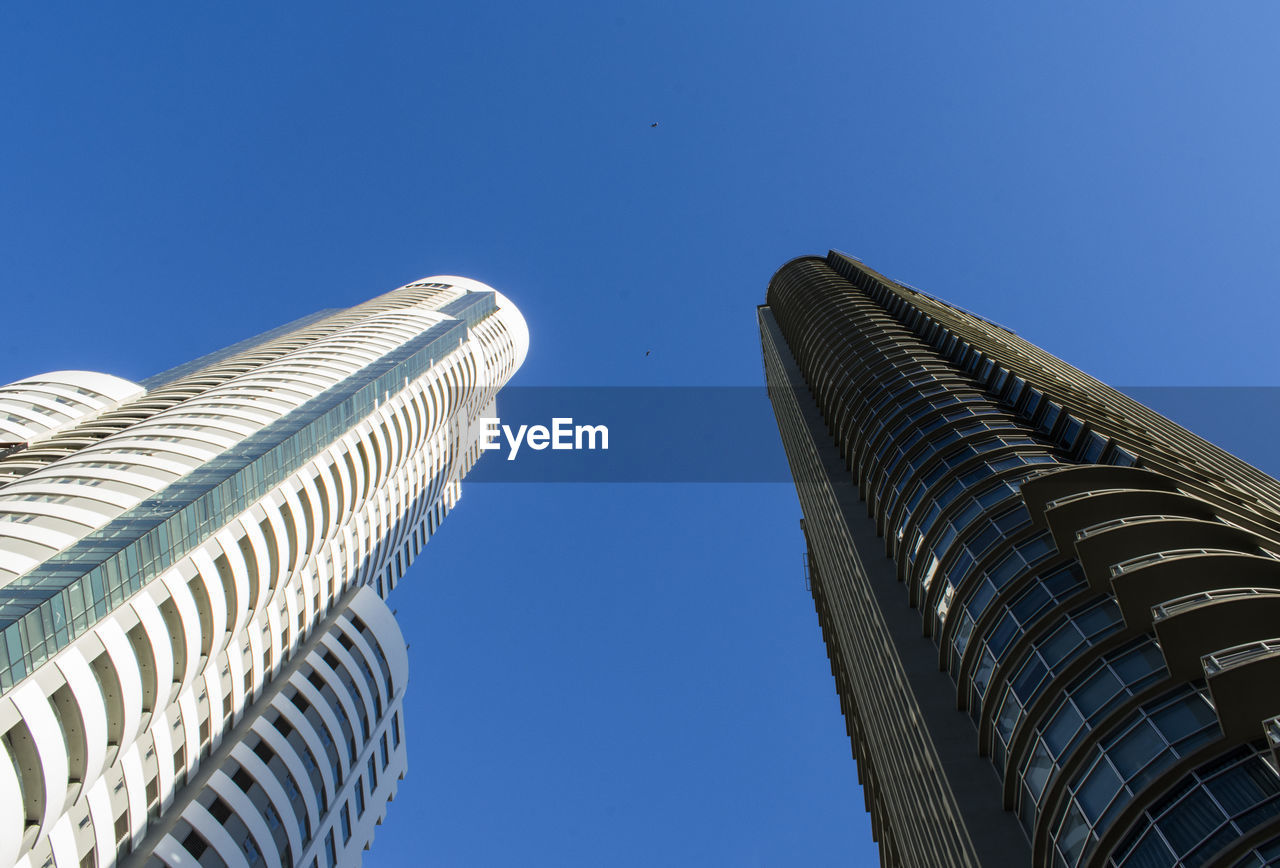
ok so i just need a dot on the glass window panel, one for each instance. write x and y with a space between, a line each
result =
1063 727
982 596
1191 820
1244 786
1100 786
1098 689
1002 634
1183 718
1038 770
1029 676
1072 834
1136 748
1008 715
1140 662
983 672
985 539
1153 852
1063 641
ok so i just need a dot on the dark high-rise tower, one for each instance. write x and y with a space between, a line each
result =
1052 614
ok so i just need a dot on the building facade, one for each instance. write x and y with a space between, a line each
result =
197 665
1051 613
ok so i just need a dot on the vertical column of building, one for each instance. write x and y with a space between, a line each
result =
306 776
1072 586
915 437
201 566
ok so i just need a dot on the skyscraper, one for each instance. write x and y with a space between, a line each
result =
1051 613
197 666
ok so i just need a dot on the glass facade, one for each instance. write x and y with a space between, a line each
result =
1151 739
42 611
1036 519
1084 704
1211 807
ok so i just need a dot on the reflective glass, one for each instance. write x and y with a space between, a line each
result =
118 559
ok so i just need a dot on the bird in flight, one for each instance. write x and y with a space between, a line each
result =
652 125
646 352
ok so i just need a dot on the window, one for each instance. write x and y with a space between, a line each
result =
330 850
195 845
373 776
385 759
1153 738
219 810
1217 803
360 797
1085 702
346 823
395 729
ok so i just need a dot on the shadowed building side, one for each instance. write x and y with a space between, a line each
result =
1049 610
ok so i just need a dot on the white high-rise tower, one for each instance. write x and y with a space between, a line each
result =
196 663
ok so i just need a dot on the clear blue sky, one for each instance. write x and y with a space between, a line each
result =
633 674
